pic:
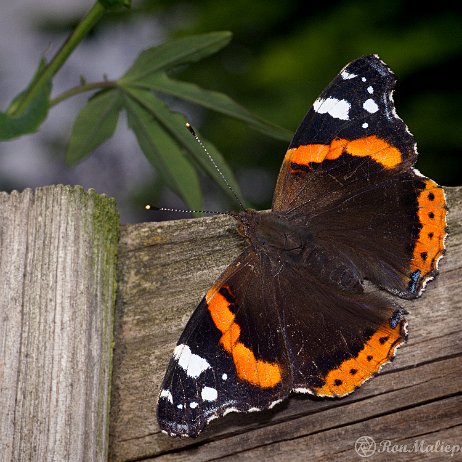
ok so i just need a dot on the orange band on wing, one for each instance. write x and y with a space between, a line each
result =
377 149
432 216
255 371
352 372
303 155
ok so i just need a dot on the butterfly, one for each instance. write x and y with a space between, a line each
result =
291 314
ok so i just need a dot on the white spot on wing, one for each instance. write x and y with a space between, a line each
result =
224 376
193 364
346 75
370 89
193 405
274 403
337 108
365 125
363 79
418 173
253 409
179 406
370 106
303 390
166 394
405 329
209 394
230 409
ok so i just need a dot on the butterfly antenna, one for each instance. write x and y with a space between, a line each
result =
166 209
193 133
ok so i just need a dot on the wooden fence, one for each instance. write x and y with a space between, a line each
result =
60 341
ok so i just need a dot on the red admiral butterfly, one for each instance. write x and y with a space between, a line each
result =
290 314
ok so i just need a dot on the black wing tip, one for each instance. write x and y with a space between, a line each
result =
371 61
179 430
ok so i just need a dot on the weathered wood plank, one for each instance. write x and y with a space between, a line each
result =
58 248
164 270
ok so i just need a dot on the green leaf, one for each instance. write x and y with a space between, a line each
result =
164 153
215 101
183 50
28 121
174 124
95 123
14 124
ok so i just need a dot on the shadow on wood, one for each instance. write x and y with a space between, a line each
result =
165 269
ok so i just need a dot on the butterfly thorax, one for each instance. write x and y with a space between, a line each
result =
285 241
271 232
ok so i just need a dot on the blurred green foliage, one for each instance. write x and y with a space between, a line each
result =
284 53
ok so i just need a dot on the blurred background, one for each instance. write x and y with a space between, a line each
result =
282 55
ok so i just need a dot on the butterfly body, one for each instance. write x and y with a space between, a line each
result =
274 232
291 314
279 240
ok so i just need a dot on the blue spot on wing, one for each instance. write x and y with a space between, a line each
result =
413 282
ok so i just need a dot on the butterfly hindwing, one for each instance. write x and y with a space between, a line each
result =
337 335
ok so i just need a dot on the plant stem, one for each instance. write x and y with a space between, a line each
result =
82 89
82 29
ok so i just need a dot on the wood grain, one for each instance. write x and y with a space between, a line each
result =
165 269
58 248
